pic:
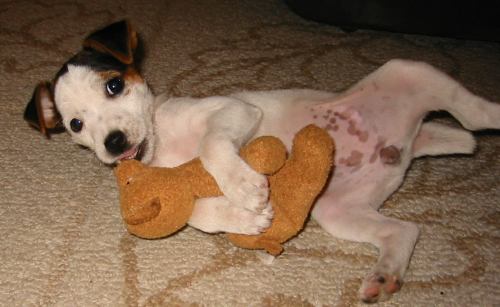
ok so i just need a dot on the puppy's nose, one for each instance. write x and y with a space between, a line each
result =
116 142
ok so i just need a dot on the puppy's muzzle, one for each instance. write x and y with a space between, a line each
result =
116 142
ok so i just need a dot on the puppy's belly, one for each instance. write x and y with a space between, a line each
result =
364 155
358 141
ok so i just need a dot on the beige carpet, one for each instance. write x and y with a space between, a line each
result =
63 243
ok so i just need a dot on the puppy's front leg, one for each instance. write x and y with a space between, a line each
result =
228 128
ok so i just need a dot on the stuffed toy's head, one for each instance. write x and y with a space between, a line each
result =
156 202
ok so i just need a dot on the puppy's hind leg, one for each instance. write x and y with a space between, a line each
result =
473 112
436 139
437 91
394 239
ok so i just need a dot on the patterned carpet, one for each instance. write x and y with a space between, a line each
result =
63 240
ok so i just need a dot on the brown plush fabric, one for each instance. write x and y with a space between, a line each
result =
156 202
63 239
294 188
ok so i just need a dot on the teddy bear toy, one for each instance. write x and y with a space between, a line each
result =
156 202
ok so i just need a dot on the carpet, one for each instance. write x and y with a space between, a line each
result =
63 240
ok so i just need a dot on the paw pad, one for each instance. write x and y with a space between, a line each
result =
379 287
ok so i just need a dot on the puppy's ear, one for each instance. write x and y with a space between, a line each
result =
41 111
118 39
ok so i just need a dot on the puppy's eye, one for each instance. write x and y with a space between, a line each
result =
114 86
76 125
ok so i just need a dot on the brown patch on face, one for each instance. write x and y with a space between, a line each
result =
354 160
109 74
390 155
132 75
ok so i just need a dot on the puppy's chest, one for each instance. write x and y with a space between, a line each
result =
175 151
176 144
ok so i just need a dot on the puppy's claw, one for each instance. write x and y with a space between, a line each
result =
248 190
251 223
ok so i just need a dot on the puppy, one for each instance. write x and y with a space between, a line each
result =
100 98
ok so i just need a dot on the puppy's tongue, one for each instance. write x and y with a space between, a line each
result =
129 154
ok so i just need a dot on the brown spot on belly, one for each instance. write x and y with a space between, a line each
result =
331 127
363 136
355 169
380 144
342 116
354 160
390 155
353 130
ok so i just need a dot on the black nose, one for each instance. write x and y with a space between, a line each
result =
116 142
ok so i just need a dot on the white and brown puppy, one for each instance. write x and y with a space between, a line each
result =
100 98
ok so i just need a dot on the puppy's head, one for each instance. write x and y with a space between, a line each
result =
99 97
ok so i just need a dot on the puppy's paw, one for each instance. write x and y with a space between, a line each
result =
247 189
249 222
379 287
217 214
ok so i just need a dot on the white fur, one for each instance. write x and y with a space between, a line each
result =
383 111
